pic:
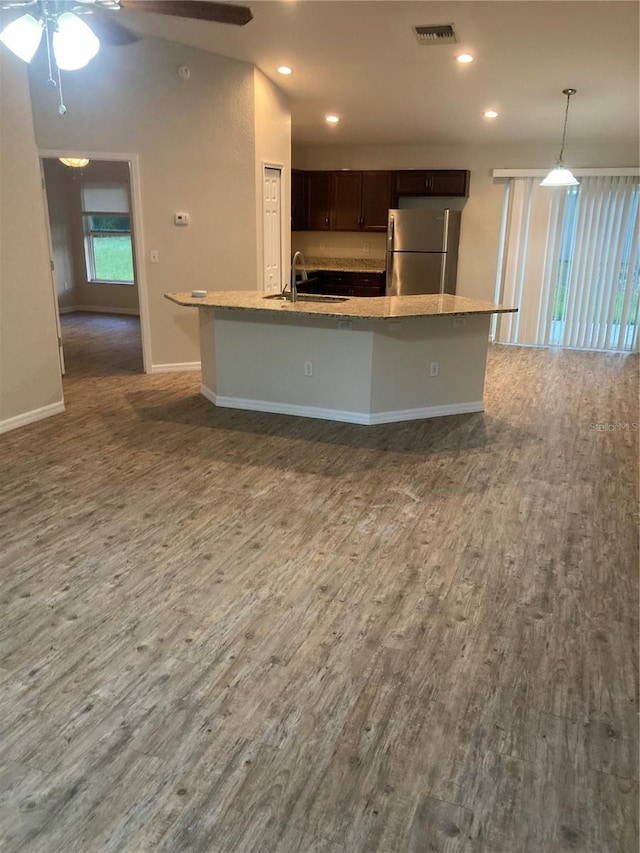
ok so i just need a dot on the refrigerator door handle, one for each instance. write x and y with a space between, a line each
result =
390 233
443 272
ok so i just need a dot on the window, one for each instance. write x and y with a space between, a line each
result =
570 262
106 224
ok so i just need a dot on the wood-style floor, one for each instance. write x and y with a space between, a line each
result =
225 632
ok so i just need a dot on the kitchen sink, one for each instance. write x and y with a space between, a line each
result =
307 297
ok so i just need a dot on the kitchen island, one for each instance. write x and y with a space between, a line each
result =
361 360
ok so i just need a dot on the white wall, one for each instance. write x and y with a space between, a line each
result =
30 382
481 217
195 140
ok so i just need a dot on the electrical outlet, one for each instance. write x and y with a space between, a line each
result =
308 368
344 324
459 322
366 247
433 368
154 256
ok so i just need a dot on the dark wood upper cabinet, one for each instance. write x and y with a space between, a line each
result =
376 201
432 182
360 201
319 186
346 201
298 200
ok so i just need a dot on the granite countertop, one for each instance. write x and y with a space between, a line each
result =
364 308
344 264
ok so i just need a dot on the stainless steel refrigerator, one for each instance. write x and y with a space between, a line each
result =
422 251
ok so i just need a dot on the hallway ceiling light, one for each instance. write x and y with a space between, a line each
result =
464 58
490 114
331 119
560 176
75 162
284 69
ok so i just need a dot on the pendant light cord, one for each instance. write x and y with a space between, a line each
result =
568 93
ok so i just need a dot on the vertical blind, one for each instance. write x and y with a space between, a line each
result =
569 260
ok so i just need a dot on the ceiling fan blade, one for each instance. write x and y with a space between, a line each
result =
201 10
109 30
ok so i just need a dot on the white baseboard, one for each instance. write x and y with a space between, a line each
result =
179 367
366 419
208 393
32 416
95 309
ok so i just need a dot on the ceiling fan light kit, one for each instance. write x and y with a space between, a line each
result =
560 176
23 37
72 44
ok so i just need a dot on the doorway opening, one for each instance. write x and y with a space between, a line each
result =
96 265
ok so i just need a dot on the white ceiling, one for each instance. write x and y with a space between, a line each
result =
361 60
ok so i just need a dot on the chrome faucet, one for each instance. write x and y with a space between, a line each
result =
293 287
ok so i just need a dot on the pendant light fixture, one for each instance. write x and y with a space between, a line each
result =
71 43
560 176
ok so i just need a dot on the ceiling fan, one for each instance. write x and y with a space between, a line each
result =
72 41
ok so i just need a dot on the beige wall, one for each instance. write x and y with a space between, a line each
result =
195 142
481 217
273 146
30 383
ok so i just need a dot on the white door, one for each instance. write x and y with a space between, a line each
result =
272 229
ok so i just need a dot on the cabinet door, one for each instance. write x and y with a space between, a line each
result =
334 283
432 182
454 182
367 284
318 200
298 200
412 182
346 201
376 200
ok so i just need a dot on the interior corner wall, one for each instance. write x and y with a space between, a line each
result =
194 141
273 145
481 217
30 380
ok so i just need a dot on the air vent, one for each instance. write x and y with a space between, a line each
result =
442 34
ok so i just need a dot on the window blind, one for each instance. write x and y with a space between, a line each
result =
105 198
569 260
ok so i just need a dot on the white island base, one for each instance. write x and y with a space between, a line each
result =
363 371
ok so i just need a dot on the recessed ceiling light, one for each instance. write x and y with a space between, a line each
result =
331 119
284 69
464 58
490 114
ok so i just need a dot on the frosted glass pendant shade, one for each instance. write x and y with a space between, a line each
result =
23 36
74 43
559 177
74 162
